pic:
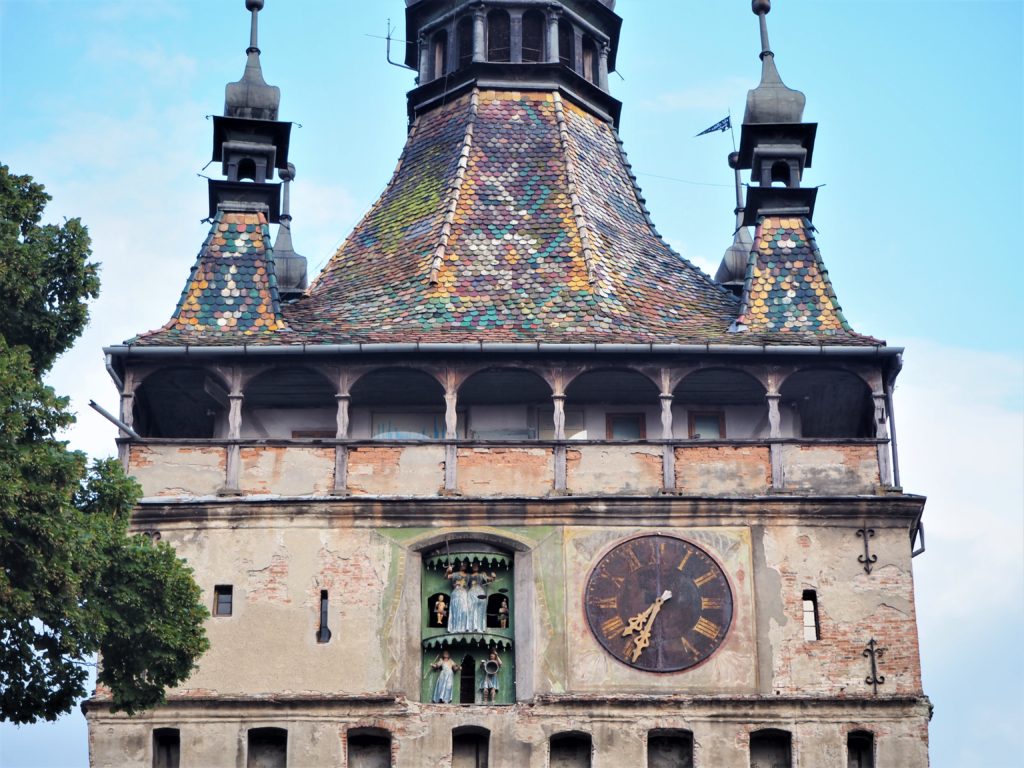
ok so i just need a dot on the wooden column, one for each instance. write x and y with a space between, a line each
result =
561 471
882 432
479 34
668 450
774 434
553 54
341 451
451 434
234 458
602 66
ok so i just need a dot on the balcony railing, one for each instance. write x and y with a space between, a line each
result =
318 468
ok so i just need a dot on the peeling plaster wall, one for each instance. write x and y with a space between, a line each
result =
723 470
615 469
171 470
291 471
415 470
837 468
505 471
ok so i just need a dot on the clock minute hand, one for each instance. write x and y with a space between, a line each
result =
644 638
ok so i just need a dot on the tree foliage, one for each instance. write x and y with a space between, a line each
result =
73 579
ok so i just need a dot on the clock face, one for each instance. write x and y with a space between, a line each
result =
659 603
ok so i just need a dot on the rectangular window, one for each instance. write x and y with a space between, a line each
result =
707 425
222 600
410 425
323 634
860 750
570 751
626 426
470 750
268 748
668 749
166 748
771 749
369 750
812 629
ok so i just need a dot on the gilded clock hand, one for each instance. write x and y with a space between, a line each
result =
643 640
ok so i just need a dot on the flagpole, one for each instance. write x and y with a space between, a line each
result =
732 131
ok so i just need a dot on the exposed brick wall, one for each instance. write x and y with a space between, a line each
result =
614 469
725 470
505 471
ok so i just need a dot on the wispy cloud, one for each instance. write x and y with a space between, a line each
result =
712 97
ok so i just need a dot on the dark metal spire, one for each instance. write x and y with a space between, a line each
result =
733 268
251 96
289 267
771 101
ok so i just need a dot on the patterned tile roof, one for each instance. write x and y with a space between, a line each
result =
787 287
512 217
232 289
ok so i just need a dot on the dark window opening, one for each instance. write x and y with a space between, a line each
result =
470 748
626 426
166 748
439 55
268 748
223 595
180 403
247 169
467 680
860 750
369 750
323 634
590 65
570 750
499 614
707 425
464 40
829 403
566 44
812 628
499 36
770 749
780 173
533 36
669 749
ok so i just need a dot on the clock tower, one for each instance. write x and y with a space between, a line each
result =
510 482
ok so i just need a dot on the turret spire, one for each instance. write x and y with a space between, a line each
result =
251 96
289 267
771 101
733 268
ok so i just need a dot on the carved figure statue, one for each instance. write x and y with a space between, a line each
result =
489 683
440 611
459 608
445 685
503 615
478 599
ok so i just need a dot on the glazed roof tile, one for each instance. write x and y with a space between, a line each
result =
511 217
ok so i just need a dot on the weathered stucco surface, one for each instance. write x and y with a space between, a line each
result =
505 471
831 469
292 471
723 470
617 469
414 470
171 470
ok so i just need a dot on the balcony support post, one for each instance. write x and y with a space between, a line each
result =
553 15
882 432
233 462
775 433
668 451
451 434
561 469
341 451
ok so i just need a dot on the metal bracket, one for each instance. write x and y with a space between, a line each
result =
874 653
867 559
917 534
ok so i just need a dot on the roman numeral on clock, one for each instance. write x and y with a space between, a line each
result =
707 628
613 627
710 603
700 581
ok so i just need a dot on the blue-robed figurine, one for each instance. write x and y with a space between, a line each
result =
445 684
460 612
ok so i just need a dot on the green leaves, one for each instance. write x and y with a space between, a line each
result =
73 580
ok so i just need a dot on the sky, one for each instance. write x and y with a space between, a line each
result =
919 106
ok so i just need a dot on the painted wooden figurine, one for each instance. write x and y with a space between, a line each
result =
503 615
445 685
440 611
489 684
459 608
478 599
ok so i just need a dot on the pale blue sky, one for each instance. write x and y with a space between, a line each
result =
919 105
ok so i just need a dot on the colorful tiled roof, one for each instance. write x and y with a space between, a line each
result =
787 286
232 289
512 217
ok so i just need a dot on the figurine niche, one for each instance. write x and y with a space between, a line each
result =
489 684
503 615
440 611
468 600
445 685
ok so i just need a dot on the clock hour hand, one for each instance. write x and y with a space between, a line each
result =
643 640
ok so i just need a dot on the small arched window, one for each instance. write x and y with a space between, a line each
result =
439 54
571 750
533 36
499 36
566 44
247 169
590 59
464 41
369 748
771 748
860 750
780 173
470 747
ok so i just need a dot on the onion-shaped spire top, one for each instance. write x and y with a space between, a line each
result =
771 101
251 96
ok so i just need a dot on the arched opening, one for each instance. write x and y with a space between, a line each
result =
669 749
439 54
464 41
499 36
770 749
720 404
860 749
566 43
590 59
571 750
289 403
781 173
247 169
397 404
468 600
828 403
534 25
611 405
268 748
502 404
166 748
368 748
181 403
470 747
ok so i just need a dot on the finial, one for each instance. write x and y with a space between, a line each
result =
733 268
771 101
289 267
251 97
255 6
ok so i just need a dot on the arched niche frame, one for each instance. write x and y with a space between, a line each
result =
179 402
829 402
289 401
